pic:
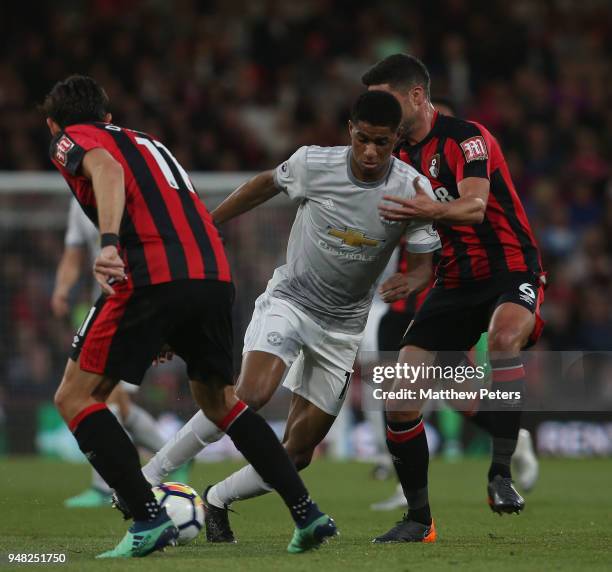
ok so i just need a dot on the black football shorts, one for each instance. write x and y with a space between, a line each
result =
453 319
122 334
391 329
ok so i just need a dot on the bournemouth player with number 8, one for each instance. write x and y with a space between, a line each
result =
489 278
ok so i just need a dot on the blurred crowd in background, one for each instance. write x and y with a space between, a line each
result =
232 86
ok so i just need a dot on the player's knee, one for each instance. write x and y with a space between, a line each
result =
66 402
253 394
215 401
60 399
506 340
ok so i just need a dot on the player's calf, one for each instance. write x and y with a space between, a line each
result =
103 441
508 386
299 447
510 327
407 444
301 460
257 442
111 452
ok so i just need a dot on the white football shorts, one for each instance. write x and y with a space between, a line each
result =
320 362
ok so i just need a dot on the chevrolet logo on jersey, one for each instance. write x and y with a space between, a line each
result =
352 237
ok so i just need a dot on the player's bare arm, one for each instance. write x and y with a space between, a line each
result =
107 179
68 272
246 197
468 209
401 285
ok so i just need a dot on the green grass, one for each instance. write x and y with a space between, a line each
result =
567 524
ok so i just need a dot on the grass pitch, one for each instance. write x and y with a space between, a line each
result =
567 524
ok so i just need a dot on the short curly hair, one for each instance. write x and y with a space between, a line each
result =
377 108
77 99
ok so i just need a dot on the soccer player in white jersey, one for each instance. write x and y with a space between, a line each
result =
312 315
81 246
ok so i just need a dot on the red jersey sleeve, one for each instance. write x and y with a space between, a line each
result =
69 147
468 151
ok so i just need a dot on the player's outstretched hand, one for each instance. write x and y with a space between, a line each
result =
109 268
394 288
421 206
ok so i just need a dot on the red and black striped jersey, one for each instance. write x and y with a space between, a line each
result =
453 150
166 232
412 303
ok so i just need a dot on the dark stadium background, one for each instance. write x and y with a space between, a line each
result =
237 86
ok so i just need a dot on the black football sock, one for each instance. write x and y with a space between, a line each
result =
407 444
481 419
505 412
111 452
255 439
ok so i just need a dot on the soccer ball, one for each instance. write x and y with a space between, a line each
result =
184 506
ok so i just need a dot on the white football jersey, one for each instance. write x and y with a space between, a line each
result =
81 231
339 245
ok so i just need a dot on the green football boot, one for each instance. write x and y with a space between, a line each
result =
90 498
144 537
313 535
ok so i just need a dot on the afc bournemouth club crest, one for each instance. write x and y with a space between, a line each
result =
434 166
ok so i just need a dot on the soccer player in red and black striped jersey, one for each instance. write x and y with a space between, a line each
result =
489 278
165 280
393 325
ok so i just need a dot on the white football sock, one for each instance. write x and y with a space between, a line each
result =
143 428
243 484
184 446
377 430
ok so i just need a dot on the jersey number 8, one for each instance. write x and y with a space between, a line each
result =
443 195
